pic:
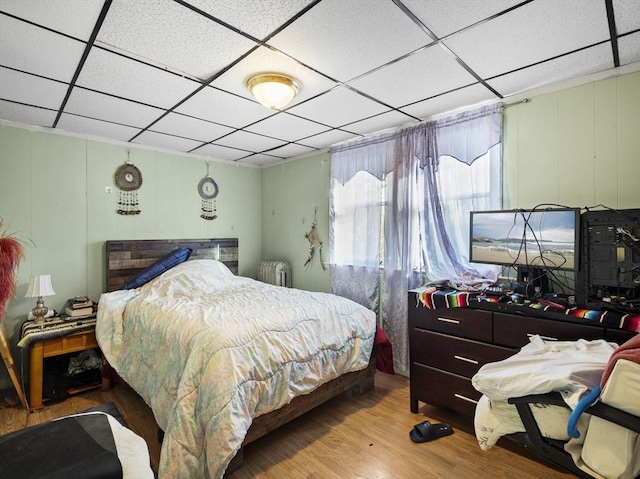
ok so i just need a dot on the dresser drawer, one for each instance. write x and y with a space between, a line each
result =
514 331
462 322
443 389
70 344
619 336
456 355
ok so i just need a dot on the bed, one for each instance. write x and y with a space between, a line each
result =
212 389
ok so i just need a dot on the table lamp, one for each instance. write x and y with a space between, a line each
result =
39 286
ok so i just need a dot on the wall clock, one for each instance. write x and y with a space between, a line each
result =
128 179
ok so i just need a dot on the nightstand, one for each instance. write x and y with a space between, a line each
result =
69 342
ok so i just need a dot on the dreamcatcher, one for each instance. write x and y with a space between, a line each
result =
128 180
208 190
314 242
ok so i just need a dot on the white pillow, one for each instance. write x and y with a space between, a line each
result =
203 275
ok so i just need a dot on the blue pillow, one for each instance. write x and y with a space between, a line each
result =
177 256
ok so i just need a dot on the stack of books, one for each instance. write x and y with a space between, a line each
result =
79 307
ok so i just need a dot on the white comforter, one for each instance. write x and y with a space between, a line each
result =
210 351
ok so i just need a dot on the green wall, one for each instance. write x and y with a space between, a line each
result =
291 193
53 197
575 147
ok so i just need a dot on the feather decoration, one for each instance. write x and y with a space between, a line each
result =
11 252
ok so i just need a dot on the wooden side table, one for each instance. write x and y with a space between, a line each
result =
39 350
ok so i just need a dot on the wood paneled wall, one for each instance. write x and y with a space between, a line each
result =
577 147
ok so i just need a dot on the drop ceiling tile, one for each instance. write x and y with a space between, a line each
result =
291 150
27 115
627 15
334 38
160 31
104 107
537 31
75 18
466 97
287 127
220 107
52 55
168 142
390 119
422 75
189 127
327 139
110 73
578 64
444 17
249 141
89 126
29 89
258 19
333 34
265 60
338 107
221 152
629 48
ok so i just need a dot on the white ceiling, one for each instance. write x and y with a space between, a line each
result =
172 73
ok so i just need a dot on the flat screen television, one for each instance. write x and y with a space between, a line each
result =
544 239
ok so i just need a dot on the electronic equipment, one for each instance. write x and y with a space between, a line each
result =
532 241
610 260
545 238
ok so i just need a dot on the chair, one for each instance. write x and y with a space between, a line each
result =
610 444
95 443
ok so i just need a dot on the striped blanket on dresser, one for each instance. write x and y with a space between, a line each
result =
434 298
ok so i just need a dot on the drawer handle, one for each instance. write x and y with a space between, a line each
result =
464 398
547 338
462 358
447 320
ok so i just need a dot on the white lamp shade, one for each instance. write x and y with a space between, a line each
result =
40 285
273 90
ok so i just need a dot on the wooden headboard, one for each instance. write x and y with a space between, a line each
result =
127 258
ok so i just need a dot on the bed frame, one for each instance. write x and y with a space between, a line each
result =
127 258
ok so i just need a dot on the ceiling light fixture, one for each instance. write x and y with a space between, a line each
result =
273 90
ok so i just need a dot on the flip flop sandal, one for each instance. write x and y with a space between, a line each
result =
425 431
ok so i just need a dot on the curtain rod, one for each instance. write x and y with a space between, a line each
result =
524 100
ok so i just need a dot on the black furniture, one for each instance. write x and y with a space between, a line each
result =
449 345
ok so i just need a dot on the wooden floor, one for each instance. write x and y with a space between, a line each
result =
363 436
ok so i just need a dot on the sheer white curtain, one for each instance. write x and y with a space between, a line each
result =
399 212
462 167
356 211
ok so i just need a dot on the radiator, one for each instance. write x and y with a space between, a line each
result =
275 272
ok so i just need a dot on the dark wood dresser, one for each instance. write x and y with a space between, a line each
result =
448 346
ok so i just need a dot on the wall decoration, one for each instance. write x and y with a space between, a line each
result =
314 242
208 190
128 180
